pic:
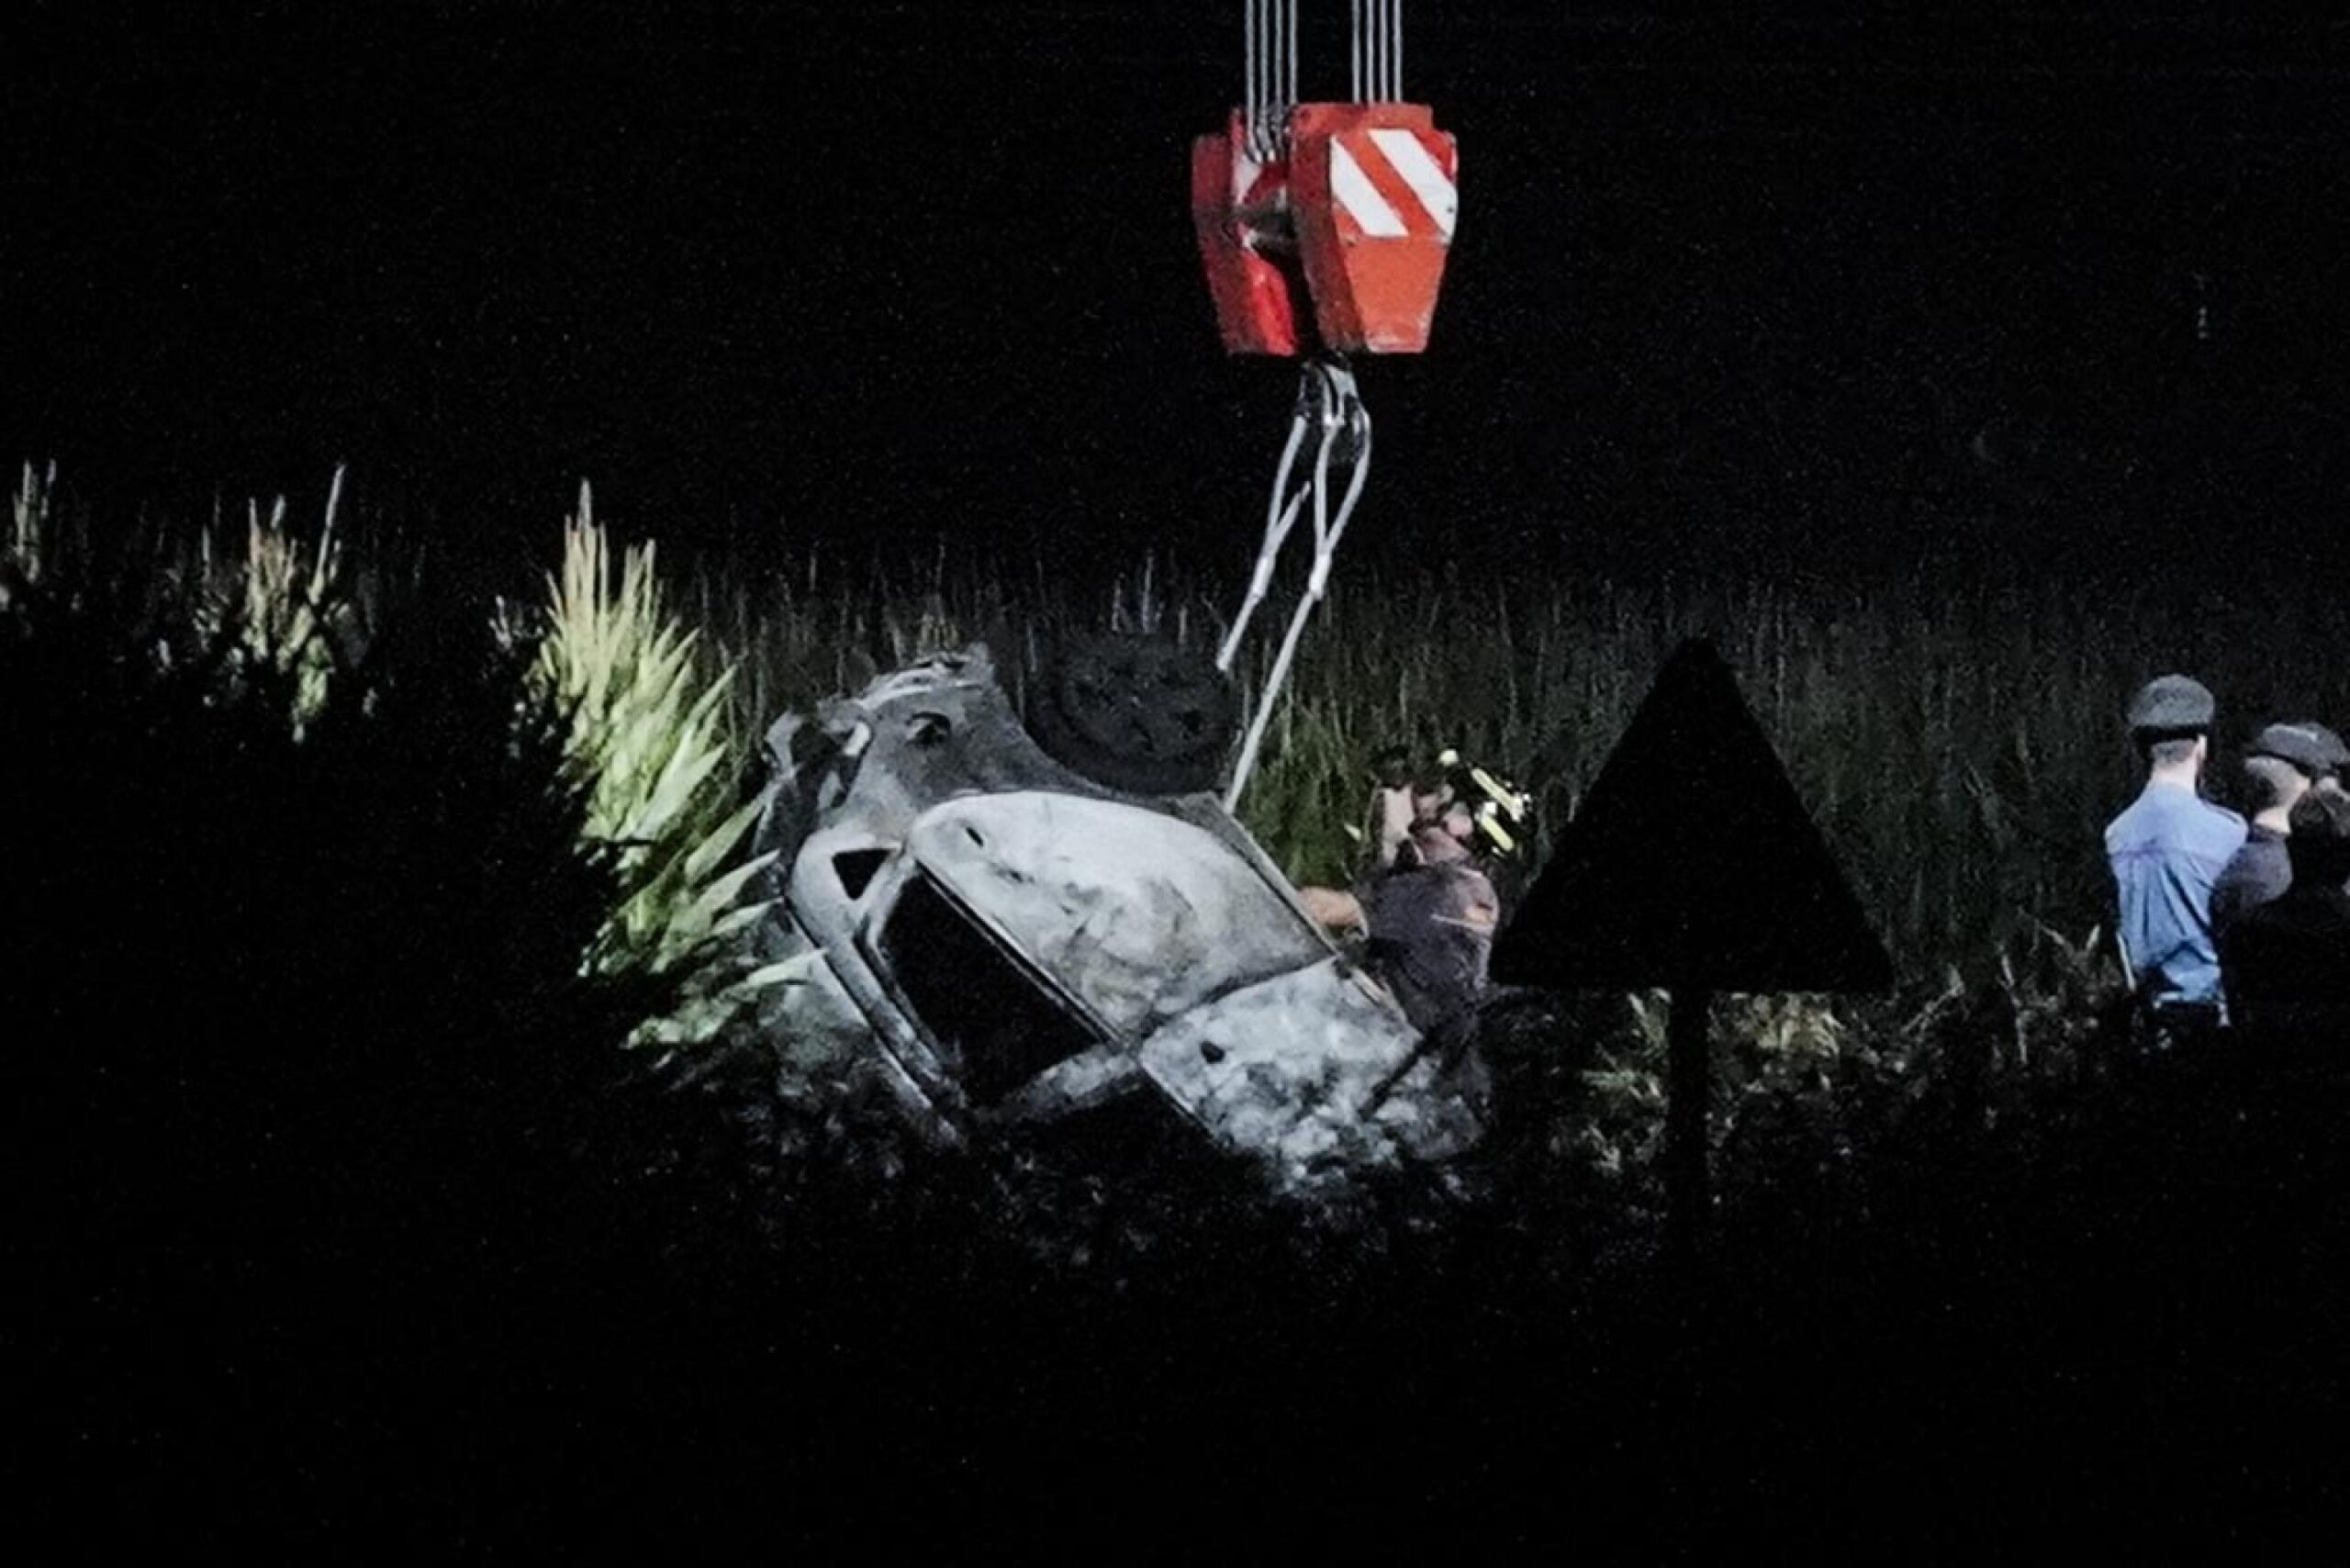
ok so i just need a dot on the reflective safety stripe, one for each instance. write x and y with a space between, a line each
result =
1507 798
1410 158
1489 823
1360 198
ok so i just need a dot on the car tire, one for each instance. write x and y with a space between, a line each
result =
1136 713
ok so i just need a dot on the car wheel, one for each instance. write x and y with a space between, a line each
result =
1136 713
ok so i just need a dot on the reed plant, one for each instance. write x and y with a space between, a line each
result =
25 561
659 751
285 607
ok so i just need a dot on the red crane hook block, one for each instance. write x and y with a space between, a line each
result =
1352 228
1240 209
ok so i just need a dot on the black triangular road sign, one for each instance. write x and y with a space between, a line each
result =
1692 864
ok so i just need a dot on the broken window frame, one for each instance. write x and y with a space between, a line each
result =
872 943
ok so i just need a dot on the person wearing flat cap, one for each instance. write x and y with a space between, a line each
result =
2289 961
2283 763
2167 851
2332 753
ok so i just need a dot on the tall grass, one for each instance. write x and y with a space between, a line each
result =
1958 739
25 561
660 752
653 740
1957 735
290 604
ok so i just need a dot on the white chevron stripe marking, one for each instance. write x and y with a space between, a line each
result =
1408 155
1360 198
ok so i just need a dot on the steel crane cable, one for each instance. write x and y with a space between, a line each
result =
1269 84
1377 54
1326 398
1252 96
1391 54
1282 509
1354 51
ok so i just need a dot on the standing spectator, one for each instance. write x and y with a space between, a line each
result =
2167 851
2336 755
2333 757
2289 961
2279 767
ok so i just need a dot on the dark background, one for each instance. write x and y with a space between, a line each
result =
1810 283
1777 289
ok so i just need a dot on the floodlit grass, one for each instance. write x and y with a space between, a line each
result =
659 751
651 734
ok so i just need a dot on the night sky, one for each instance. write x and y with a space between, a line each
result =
1805 284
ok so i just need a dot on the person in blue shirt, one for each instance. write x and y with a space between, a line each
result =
2167 851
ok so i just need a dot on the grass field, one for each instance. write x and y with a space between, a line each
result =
1958 736
340 888
1956 732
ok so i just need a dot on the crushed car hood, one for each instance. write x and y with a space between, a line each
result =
1314 1071
1219 990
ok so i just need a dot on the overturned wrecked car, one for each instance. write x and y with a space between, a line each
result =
1008 942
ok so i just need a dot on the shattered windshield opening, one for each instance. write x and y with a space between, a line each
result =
1140 916
975 999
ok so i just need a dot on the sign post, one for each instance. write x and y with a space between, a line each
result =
1692 865
1689 1091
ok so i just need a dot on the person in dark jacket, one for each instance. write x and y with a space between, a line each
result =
2281 765
1426 909
1431 919
2288 962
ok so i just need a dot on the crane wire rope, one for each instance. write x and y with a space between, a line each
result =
1270 76
1326 398
1376 54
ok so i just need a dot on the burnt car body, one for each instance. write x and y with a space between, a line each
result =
1005 942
